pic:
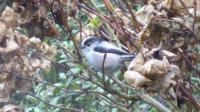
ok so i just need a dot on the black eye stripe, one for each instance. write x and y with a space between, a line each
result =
92 39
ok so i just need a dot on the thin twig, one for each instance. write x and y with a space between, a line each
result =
121 107
69 33
103 17
103 71
188 61
195 14
195 102
3 5
121 83
123 95
181 24
190 95
154 103
184 5
80 24
134 21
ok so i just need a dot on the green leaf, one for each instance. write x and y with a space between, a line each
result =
62 76
69 81
86 85
114 110
76 70
32 109
31 99
54 101
94 22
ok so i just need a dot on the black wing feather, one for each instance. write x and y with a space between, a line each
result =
110 50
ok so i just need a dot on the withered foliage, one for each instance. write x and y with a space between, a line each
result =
169 40
18 55
165 34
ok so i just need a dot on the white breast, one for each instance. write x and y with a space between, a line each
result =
111 64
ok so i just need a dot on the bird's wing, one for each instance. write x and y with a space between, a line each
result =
110 50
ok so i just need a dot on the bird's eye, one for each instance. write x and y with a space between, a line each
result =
88 44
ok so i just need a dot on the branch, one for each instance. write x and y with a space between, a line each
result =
114 105
193 99
147 99
154 103
181 24
134 21
69 33
195 14
103 17
188 61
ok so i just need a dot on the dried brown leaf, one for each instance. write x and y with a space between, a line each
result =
34 40
10 108
108 5
135 79
9 17
154 68
136 63
4 94
3 28
144 14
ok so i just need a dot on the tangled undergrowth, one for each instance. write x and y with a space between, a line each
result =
42 67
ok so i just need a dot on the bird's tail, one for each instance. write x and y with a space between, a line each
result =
128 57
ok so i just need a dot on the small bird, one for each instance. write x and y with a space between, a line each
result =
98 52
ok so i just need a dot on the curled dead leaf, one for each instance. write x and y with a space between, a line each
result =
136 63
135 79
35 63
180 7
3 28
10 108
9 17
108 5
4 94
154 68
22 39
145 33
166 83
144 14
45 64
168 54
34 40
179 42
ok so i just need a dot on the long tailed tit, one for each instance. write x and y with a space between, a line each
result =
99 52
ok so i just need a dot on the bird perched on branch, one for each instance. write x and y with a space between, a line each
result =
103 56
